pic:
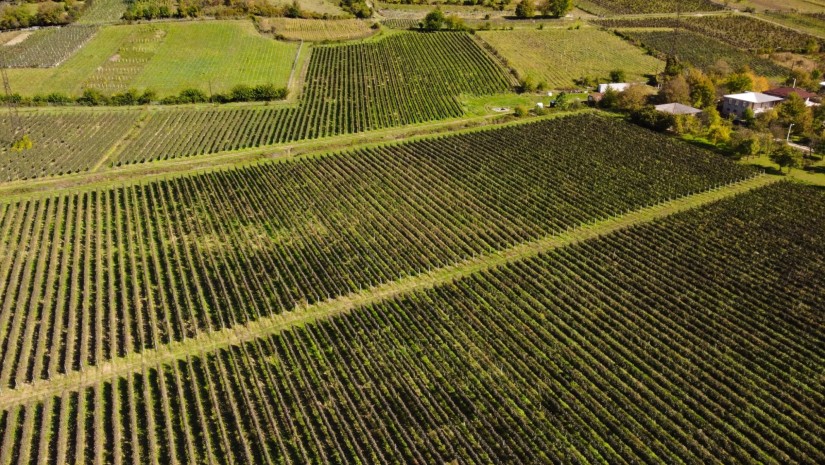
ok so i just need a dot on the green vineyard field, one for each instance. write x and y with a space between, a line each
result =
702 52
695 339
102 274
403 79
647 6
46 48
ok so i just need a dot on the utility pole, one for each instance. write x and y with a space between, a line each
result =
788 139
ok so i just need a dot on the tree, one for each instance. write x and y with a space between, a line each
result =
675 90
525 9
786 157
618 75
794 111
738 82
521 111
434 20
633 98
673 66
610 99
702 90
746 143
717 130
556 8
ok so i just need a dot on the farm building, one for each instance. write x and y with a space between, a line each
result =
784 92
736 104
677 109
617 86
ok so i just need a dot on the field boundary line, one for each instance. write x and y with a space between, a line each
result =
118 146
264 327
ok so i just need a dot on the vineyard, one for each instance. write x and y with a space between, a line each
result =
745 32
46 48
97 275
315 30
103 11
646 6
653 344
65 142
403 79
701 52
573 53
118 72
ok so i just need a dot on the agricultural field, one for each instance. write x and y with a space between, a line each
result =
398 80
97 275
324 8
166 57
607 7
103 12
703 52
653 344
64 142
559 56
314 30
46 48
745 32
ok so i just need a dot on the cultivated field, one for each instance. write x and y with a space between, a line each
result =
745 32
64 142
558 56
107 273
602 7
314 30
46 48
702 52
654 343
166 57
103 11
402 79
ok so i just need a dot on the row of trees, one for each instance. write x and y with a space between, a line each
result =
551 8
45 14
93 97
159 9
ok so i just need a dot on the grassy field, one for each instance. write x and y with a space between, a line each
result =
558 56
166 57
315 30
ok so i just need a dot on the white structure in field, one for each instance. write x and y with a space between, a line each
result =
736 104
617 86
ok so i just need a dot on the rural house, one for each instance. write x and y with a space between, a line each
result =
736 104
811 99
677 109
617 86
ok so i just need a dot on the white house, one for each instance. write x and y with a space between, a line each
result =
617 86
736 104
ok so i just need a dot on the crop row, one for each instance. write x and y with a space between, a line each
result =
649 6
97 275
745 32
66 142
403 79
696 339
117 73
702 52
46 48
314 30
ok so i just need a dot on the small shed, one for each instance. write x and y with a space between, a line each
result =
678 109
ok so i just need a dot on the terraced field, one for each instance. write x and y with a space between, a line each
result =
558 56
702 52
402 79
103 274
693 339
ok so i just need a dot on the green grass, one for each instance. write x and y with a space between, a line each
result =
191 54
558 56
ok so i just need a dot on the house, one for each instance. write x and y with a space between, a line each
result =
617 86
811 99
736 104
677 109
